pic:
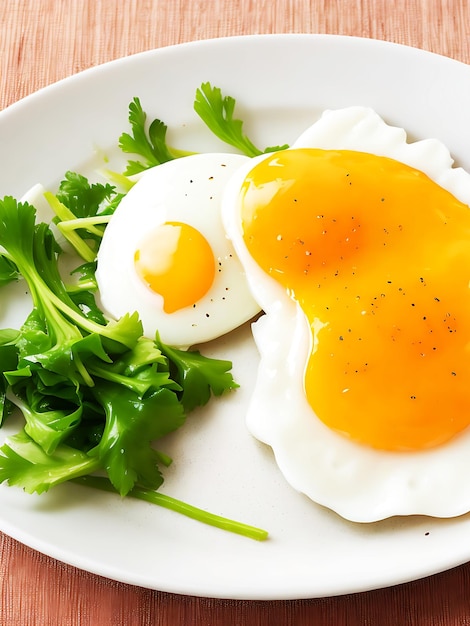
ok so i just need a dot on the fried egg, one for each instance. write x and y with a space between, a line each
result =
165 254
356 244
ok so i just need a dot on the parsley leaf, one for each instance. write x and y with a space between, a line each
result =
82 211
132 423
217 111
25 464
199 379
149 144
81 197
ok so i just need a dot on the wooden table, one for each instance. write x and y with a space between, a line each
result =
42 41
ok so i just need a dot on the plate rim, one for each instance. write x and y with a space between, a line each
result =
83 73
17 107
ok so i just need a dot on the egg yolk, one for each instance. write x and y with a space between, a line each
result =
377 255
176 261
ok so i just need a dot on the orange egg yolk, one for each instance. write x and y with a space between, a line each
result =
377 255
176 261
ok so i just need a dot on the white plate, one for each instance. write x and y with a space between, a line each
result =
281 83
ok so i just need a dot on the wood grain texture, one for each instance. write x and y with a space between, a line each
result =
45 40
42 41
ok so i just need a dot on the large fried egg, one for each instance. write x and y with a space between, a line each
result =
165 254
356 244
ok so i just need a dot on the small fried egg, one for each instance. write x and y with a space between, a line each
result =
165 254
356 244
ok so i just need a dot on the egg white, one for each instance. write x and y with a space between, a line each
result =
187 190
359 483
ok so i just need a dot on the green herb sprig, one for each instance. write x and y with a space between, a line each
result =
217 112
95 396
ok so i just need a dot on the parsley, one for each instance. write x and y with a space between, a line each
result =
95 395
161 499
82 198
148 143
82 211
199 377
216 111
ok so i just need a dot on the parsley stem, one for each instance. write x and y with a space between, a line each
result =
64 214
123 181
161 499
85 222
